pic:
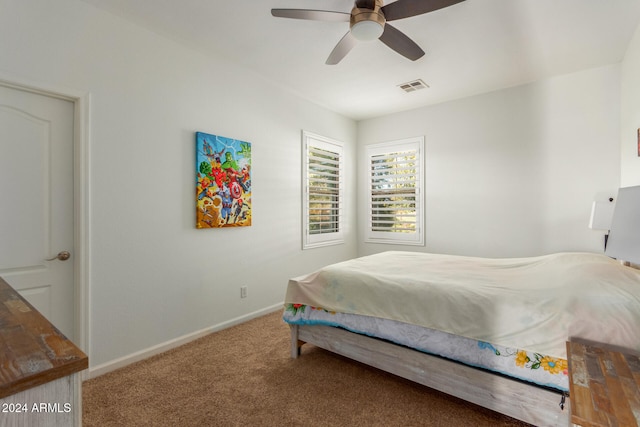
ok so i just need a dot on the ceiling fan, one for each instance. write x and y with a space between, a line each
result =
368 21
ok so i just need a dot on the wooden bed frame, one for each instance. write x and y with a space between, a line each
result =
535 405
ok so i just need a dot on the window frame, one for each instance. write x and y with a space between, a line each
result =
313 143
379 150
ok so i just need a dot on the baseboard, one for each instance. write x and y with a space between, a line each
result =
96 371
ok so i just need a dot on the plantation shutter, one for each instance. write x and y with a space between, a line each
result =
323 191
396 201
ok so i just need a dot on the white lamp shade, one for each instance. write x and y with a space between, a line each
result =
367 30
624 237
601 215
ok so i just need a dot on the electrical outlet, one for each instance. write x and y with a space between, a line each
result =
243 291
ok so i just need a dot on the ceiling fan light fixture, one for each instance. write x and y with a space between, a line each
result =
367 30
368 21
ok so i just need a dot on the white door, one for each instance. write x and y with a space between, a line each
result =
36 202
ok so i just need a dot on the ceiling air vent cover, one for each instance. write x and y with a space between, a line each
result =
413 86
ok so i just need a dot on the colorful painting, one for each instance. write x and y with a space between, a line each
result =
223 183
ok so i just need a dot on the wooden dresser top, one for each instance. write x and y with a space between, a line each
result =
604 384
32 351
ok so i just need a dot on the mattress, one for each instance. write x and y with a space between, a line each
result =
536 368
534 303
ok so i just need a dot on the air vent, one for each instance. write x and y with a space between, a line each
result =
413 86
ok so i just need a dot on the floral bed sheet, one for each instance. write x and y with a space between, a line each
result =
521 364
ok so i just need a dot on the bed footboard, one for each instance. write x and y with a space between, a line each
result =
526 402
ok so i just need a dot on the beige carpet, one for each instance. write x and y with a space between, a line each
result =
243 376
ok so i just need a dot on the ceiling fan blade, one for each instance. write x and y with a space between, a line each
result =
342 48
407 8
313 15
399 42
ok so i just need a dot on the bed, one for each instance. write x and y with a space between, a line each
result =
489 331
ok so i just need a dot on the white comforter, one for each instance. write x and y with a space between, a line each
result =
529 303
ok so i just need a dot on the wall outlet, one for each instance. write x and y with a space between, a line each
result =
243 291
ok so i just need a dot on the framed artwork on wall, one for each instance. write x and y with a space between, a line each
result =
223 182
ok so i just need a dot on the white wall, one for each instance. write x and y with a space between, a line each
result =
508 173
513 172
630 123
153 276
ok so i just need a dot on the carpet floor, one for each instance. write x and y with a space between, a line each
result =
244 376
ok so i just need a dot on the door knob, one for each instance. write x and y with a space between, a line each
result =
62 256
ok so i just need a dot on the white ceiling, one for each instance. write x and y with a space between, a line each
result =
472 47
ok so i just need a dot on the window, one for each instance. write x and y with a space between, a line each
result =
395 187
322 191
